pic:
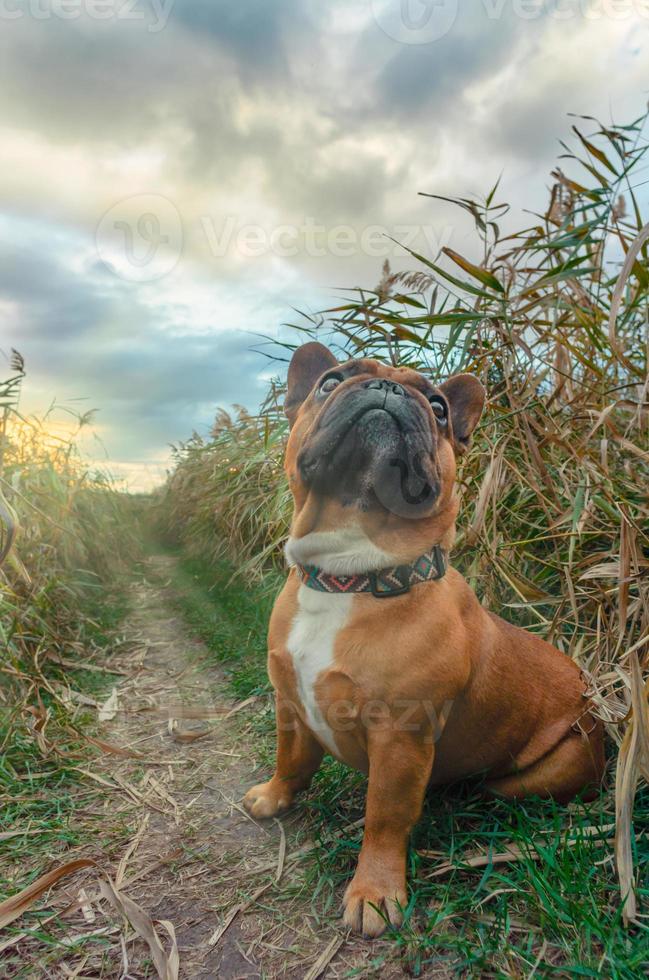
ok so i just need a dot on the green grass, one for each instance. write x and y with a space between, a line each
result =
62 811
46 793
230 619
558 906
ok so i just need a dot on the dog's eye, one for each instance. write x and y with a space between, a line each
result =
438 406
330 383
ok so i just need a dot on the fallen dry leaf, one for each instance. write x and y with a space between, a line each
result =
188 737
130 850
281 856
108 710
238 707
8 834
112 749
233 913
167 964
14 906
631 761
325 958
84 904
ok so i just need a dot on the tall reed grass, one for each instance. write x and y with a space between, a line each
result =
226 496
554 523
67 538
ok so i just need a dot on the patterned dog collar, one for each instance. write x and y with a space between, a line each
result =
384 583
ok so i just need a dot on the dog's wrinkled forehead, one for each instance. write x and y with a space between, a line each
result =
315 378
313 361
366 367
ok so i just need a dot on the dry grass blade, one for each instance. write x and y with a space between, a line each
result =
325 958
626 780
108 710
281 855
112 749
624 575
488 491
233 913
513 853
10 834
85 906
14 906
633 759
161 791
186 738
130 851
167 964
640 704
240 707
10 527
631 257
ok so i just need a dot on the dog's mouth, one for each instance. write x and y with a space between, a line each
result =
372 450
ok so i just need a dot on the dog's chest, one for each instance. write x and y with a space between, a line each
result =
311 642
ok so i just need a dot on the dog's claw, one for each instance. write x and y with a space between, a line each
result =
369 911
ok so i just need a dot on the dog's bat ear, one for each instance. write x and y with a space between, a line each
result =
307 364
466 398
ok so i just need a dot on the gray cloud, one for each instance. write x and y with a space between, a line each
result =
257 35
271 112
93 344
434 77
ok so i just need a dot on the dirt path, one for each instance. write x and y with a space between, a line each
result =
234 890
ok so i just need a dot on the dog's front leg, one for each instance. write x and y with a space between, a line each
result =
399 772
298 756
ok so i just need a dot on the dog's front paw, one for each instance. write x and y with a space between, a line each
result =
371 905
267 800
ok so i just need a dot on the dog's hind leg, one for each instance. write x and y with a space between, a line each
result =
299 755
574 766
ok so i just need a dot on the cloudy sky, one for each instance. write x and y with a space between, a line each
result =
177 176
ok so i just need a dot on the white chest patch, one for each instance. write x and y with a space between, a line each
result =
319 619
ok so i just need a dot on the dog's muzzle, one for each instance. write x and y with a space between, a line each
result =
373 446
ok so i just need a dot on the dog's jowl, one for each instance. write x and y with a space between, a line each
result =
379 652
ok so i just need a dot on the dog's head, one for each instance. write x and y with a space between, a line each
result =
376 438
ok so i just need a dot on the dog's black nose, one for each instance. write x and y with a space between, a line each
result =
384 384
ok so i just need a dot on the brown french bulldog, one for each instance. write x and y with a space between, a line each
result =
379 652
